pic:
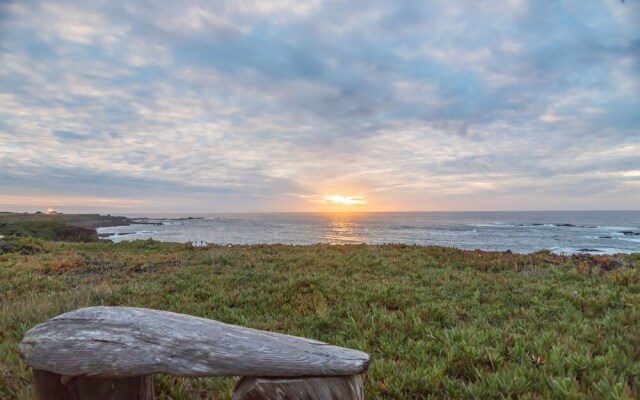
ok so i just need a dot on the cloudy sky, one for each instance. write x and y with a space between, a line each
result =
247 105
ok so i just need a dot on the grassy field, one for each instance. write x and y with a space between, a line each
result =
438 322
57 227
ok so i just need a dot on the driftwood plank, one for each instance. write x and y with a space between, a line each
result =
50 386
123 341
325 388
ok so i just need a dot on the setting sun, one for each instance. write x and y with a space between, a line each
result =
345 200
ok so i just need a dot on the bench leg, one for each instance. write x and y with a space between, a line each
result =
325 388
50 386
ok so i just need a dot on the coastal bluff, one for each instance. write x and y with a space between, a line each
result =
58 226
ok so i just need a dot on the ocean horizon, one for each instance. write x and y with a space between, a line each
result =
562 232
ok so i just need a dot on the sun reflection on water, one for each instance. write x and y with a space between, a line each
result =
343 229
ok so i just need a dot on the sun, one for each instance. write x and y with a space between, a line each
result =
345 200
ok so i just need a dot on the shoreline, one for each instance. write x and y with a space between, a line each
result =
166 236
58 226
96 228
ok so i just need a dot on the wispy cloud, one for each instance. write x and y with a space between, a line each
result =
235 105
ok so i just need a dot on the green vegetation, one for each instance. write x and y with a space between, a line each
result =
438 322
57 227
50 230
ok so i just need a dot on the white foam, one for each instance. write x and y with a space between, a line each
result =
567 251
492 225
619 228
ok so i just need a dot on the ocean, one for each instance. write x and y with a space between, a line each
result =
563 232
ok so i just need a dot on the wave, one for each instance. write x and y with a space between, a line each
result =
492 225
620 228
119 236
581 250
537 225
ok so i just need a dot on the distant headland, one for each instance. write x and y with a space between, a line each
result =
52 225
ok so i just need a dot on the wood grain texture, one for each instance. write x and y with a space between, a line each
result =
50 386
325 388
124 341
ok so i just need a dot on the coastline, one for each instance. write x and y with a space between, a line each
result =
522 233
232 230
58 226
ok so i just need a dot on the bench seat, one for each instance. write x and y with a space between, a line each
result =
125 342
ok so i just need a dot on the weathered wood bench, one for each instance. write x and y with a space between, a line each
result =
112 352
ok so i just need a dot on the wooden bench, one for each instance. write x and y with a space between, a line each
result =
112 352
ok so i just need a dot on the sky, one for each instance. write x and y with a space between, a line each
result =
364 105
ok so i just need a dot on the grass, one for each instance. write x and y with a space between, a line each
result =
49 230
438 322
57 227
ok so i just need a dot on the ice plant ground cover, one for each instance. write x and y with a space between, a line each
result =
438 322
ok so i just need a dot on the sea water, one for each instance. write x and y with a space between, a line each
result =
564 232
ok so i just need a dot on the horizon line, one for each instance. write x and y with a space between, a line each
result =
324 212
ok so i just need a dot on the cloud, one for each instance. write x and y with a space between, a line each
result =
68 135
237 103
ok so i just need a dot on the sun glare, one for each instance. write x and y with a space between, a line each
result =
345 200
